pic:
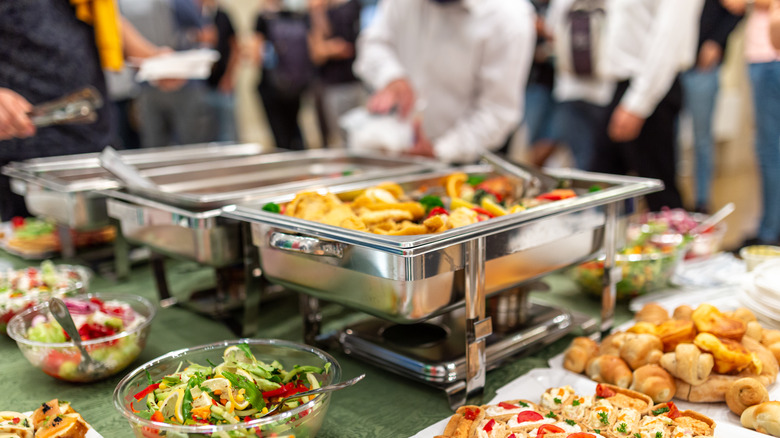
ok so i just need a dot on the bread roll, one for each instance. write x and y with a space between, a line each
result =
579 353
688 364
764 418
715 387
744 393
611 344
754 330
652 313
744 314
654 381
641 349
683 313
610 369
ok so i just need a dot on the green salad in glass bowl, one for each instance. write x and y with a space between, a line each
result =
645 264
229 389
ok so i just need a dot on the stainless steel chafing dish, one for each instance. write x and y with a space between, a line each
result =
408 279
68 189
182 215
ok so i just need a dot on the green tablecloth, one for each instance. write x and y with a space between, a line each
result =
382 405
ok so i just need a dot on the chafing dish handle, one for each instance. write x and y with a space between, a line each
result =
306 245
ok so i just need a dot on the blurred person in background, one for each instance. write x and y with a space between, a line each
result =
540 105
122 92
465 60
282 49
581 91
647 44
333 32
52 48
176 115
764 70
219 34
774 23
700 90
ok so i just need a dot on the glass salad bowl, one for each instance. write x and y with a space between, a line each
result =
644 270
21 289
226 388
113 327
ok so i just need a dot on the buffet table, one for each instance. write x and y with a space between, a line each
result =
382 405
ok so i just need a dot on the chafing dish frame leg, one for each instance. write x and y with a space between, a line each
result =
312 318
611 273
253 282
66 242
478 327
121 251
161 280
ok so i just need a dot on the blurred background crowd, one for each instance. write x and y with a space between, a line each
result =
689 92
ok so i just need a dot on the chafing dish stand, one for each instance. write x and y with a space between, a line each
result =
441 279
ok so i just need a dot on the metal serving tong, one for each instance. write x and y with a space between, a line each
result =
78 107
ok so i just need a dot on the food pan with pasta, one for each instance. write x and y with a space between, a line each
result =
400 248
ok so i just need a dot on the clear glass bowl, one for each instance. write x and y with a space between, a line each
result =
302 422
641 273
60 360
71 280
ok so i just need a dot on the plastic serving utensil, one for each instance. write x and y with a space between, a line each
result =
60 312
714 219
324 389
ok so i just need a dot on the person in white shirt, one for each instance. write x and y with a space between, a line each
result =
646 44
462 64
581 96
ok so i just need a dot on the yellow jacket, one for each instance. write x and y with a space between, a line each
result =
104 17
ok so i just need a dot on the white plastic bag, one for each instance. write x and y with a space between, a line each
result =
387 133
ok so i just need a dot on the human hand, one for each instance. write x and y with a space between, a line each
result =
170 84
339 48
398 93
624 125
422 145
226 84
710 55
736 7
14 121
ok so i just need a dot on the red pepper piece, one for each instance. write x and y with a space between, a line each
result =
17 221
526 416
673 411
146 391
481 210
489 426
282 390
16 420
436 211
471 414
603 391
548 428
557 195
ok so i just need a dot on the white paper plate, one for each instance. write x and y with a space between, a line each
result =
187 64
766 278
91 433
533 384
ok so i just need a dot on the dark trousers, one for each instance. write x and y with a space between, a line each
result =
652 155
282 113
